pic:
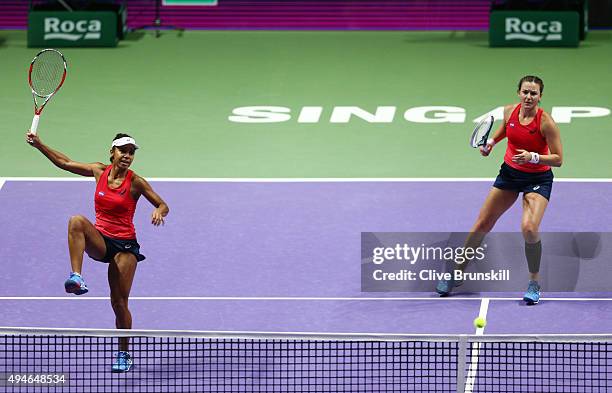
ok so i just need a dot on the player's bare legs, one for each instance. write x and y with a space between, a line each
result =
121 273
82 237
498 201
534 206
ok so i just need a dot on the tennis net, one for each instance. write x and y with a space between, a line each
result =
69 360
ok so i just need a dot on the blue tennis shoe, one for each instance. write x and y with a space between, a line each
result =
445 287
75 284
532 296
123 362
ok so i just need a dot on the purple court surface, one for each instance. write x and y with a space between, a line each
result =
278 257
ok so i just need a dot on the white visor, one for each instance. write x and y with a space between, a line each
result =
126 140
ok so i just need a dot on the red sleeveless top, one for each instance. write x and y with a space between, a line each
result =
527 137
115 207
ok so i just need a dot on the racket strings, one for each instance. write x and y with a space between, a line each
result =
47 73
481 131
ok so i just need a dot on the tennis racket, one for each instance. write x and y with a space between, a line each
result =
47 74
481 132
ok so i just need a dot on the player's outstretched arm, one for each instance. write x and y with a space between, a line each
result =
62 161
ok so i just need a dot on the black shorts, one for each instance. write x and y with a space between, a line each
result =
525 182
115 246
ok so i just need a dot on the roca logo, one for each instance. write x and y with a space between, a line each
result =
516 29
72 30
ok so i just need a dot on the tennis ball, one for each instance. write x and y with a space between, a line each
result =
480 322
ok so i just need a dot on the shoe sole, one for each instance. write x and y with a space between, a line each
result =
530 301
75 288
121 371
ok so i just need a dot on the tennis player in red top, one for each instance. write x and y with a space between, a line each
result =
112 239
534 146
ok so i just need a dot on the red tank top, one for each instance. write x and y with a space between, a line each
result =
115 207
527 137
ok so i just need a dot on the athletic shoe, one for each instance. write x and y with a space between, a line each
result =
532 296
75 284
123 362
445 287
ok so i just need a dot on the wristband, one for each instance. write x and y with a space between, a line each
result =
535 158
491 142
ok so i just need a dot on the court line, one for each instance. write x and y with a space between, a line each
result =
1 183
473 370
296 298
484 307
308 179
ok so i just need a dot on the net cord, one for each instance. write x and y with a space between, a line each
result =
468 338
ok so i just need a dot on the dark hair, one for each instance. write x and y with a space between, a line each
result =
118 136
531 78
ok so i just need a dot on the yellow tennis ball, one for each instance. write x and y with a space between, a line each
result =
480 322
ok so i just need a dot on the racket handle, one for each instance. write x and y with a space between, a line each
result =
34 126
